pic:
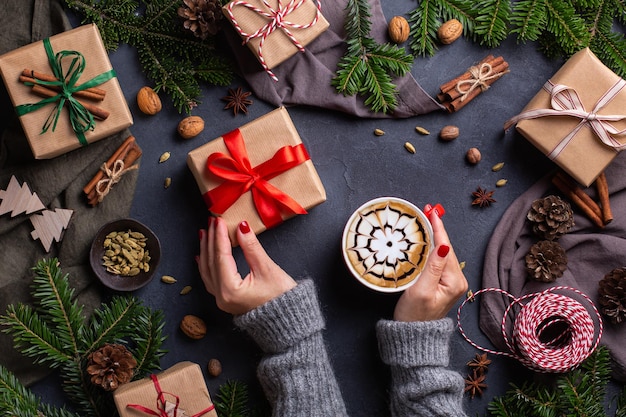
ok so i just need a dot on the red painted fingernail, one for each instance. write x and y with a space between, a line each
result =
443 250
427 209
439 210
197 258
244 227
200 234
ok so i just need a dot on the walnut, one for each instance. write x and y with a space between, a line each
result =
190 127
193 326
473 156
148 101
398 29
450 31
449 133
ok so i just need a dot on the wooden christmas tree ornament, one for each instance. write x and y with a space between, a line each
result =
49 226
18 199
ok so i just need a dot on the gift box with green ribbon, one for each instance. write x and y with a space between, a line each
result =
261 173
50 83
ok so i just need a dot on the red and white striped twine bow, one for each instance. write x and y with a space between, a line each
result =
276 20
552 332
566 102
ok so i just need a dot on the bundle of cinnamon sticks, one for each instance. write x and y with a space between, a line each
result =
599 214
456 93
94 94
122 160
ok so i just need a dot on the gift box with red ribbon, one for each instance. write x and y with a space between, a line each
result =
65 91
275 30
578 119
261 173
178 391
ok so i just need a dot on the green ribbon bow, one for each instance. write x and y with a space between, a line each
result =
81 119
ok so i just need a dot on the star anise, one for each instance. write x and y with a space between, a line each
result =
482 197
480 363
237 100
475 384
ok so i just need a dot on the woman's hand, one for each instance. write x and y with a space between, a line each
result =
439 286
218 269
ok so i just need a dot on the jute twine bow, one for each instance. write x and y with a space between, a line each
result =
276 20
552 332
566 102
480 75
113 176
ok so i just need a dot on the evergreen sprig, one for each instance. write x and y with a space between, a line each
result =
367 67
580 392
561 27
174 60
55 332
232 400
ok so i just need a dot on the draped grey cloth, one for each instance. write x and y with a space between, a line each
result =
305 78
58 182
591 253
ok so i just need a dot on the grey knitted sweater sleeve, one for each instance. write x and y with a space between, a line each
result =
418 355
295 372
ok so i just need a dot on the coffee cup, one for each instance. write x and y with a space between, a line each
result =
386 243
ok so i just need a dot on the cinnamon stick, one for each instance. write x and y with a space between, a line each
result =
132 155
96 111
577 196
451 85
47 77
81 93
603 195
119 153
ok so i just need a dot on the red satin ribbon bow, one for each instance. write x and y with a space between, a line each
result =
161 403
239 177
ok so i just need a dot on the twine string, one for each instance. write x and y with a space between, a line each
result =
480 75
551 332
113 176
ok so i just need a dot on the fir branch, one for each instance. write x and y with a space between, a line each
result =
367 67
528 19
424 23
148 341
110 323
173 60
232 399
492 24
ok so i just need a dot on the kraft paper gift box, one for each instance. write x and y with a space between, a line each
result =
183 382
85 40
306 23
264 138
578 150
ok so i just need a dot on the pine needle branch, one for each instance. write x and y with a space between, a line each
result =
110 323
367 67
148 341
173 60
232 399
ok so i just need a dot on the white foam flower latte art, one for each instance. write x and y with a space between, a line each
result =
387 243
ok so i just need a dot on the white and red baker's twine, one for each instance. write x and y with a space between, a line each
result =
539 315
276 20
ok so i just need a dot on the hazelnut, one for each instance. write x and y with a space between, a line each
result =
450 31
449 133
148 101
190 126
214 367
398 29
473 156
193 326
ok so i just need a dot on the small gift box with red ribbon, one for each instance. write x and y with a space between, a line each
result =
261 173
65 91
176 392
275 30
578 119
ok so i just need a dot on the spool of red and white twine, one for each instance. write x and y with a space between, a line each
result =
276 20
551 332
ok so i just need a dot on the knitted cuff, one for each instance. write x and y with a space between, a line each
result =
409 344
286 320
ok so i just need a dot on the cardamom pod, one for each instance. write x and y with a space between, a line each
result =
167 182
168 279
421 130
164 157
497 167
185 290
409 147
501 182
379 132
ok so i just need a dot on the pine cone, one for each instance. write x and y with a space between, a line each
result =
111 366
546 261
612 295
202 17
551 217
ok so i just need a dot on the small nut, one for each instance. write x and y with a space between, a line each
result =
398 29
193 326
148 101
473 156
190 127
450 31
449 133
214 367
